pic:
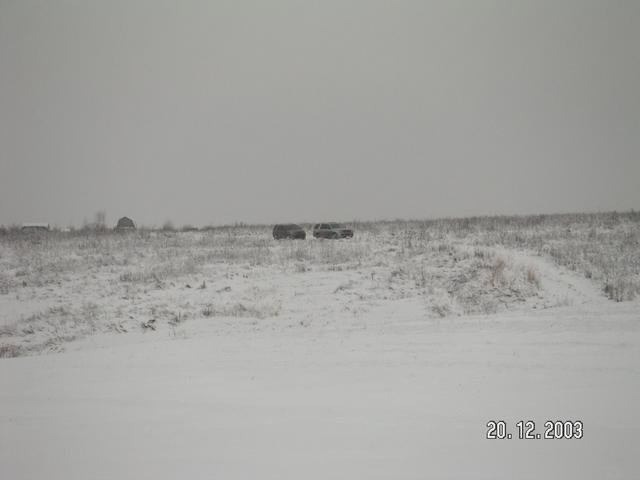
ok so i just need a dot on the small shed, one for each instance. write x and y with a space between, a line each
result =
35 227
125 223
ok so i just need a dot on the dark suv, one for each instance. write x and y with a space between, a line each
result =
331 230
289 230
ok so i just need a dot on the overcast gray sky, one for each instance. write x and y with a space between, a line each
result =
261 111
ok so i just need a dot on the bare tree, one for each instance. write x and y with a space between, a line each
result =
100 220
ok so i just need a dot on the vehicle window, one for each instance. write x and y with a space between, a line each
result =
336 225
324 226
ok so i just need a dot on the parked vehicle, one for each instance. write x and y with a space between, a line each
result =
331 230
289 230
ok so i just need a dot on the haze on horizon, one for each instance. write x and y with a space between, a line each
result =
213 112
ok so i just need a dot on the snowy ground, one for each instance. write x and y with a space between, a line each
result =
367 359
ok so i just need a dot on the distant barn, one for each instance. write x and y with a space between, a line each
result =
125 223
35 227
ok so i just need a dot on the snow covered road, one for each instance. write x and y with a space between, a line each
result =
396 396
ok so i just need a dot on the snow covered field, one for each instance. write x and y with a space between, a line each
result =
225 354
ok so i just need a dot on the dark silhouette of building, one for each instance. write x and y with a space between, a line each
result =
125 223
